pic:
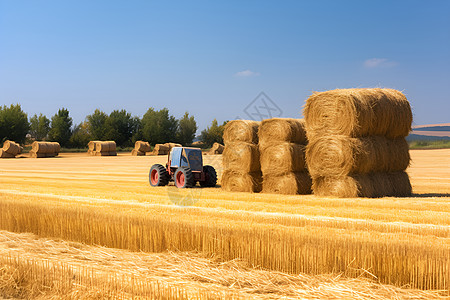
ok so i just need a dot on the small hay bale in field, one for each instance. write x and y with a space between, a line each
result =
171 145
292 183
142 146
104 148
241 157
4 154
234 181
135 152
358 113
276 130
339 155
282 158
395 184
12 148
91 147
216 149
241 131
160 149
44 149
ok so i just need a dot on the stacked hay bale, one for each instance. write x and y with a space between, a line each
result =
282 149
160 149
10 149
140 148
171 145
104 148
44 149
216 149
241 166
357 143
91 147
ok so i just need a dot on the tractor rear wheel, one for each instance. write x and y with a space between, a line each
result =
210 177
183 178
158 175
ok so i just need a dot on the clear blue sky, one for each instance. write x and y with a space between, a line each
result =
212 58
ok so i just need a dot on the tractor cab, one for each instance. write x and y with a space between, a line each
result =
185 168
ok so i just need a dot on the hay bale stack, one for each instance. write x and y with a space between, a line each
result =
171 145
91 147
282 149
102 148
10 149
160 149
140 148
216 149
242 169
44 149
357 145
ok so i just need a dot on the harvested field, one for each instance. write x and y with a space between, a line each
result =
382 241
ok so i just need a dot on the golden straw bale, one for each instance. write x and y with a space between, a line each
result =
364 185
291 183
235 181
160 149
171 145
40 147
339 155
11 147
282 158
216 149
55 147
135 152
242 157
105 146
358 112
4 154
281 130
142 146
91 146
241 131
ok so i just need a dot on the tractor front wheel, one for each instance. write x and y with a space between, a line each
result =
183 178
158 175
210 177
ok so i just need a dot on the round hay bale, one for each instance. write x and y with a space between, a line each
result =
339 155
11 147
160 149
54 147
171 145
233 181
272 131
358 113
4 154
292 183
216 149
135 152
282 158
241 157
41 147
241 131
142 146
91 146
105 146
374 185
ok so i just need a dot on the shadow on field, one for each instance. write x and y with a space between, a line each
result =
430 195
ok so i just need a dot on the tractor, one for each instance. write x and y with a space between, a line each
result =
184 167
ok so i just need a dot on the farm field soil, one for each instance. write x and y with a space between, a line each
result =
108 201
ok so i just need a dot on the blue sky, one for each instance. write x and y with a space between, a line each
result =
212 58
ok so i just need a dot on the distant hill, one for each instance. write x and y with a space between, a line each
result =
430 132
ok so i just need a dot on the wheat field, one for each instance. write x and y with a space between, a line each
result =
287 246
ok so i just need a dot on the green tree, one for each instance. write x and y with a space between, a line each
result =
187 127
80 136
120 127
213 134
159 127
39 127
61 127
96 125
13 124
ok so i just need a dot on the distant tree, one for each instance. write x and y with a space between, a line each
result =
213 134
159 127
187 127
120 127
60 129
96 125
80 136
39 127
13 123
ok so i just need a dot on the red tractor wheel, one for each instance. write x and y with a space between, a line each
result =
183 178
158 176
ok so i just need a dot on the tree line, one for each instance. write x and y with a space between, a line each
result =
156 127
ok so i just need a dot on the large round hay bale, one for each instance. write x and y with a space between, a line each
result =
364 185
41 147
292 183
234 181
4 154
11 147
339 155
142 146
160 149
241 131
91 146
277 130
171 145
358 113
241 157
105 146
282 158
135 152
55 147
